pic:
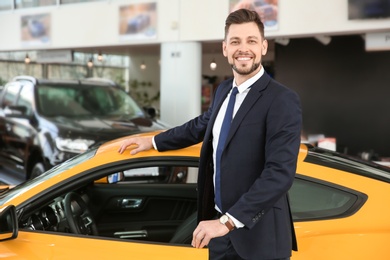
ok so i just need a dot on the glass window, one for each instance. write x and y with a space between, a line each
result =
60 101
26 98
85 101
10 95
312 200
6 5
63 2
162 174
21 188
34 3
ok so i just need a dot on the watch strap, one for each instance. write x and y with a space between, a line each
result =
224 219
229 225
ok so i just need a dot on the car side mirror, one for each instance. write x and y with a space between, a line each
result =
150 111
17 111
8 223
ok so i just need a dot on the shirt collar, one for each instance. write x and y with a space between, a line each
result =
249 82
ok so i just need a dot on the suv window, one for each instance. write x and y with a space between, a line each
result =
86 100
26 99
10 95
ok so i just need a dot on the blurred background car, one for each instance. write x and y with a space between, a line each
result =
45 122
339 207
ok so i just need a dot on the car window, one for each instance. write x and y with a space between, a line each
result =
162 174
58 169
86 101
312 200
112 101
59 101
26 98
10 95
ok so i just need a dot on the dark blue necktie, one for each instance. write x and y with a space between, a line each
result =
221 143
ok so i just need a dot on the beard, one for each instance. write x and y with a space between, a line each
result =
245 70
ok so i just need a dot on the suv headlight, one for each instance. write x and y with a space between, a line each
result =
73 145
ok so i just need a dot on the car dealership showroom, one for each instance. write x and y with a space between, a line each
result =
78 77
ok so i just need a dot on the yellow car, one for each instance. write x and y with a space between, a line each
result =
106 205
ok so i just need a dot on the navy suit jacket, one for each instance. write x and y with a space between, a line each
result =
258 165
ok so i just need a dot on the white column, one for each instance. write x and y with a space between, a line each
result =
181 81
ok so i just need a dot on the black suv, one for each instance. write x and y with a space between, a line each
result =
45 122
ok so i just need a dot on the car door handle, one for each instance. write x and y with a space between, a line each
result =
131 234
129 203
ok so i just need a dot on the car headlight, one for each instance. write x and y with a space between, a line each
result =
73 145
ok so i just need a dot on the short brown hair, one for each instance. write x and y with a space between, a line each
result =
244 16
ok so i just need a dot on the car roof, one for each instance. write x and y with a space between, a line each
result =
110 149
307 153
346 163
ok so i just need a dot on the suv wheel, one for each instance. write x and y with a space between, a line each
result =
37 170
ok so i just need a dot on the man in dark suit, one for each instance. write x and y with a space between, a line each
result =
257 162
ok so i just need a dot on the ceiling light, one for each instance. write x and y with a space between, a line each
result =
90 63
143 65
213 65
100 56
27 59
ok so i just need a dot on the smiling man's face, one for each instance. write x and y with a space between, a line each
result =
244 48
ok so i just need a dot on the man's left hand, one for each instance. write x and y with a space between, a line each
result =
206 230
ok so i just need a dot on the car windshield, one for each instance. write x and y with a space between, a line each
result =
21 188
81 100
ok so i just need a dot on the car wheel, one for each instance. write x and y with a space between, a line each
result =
37 170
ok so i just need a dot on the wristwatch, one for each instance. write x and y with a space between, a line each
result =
224 220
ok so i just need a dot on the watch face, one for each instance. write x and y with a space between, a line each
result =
224 219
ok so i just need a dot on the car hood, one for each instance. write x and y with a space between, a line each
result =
105 127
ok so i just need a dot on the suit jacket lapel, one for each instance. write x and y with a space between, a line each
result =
254 94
